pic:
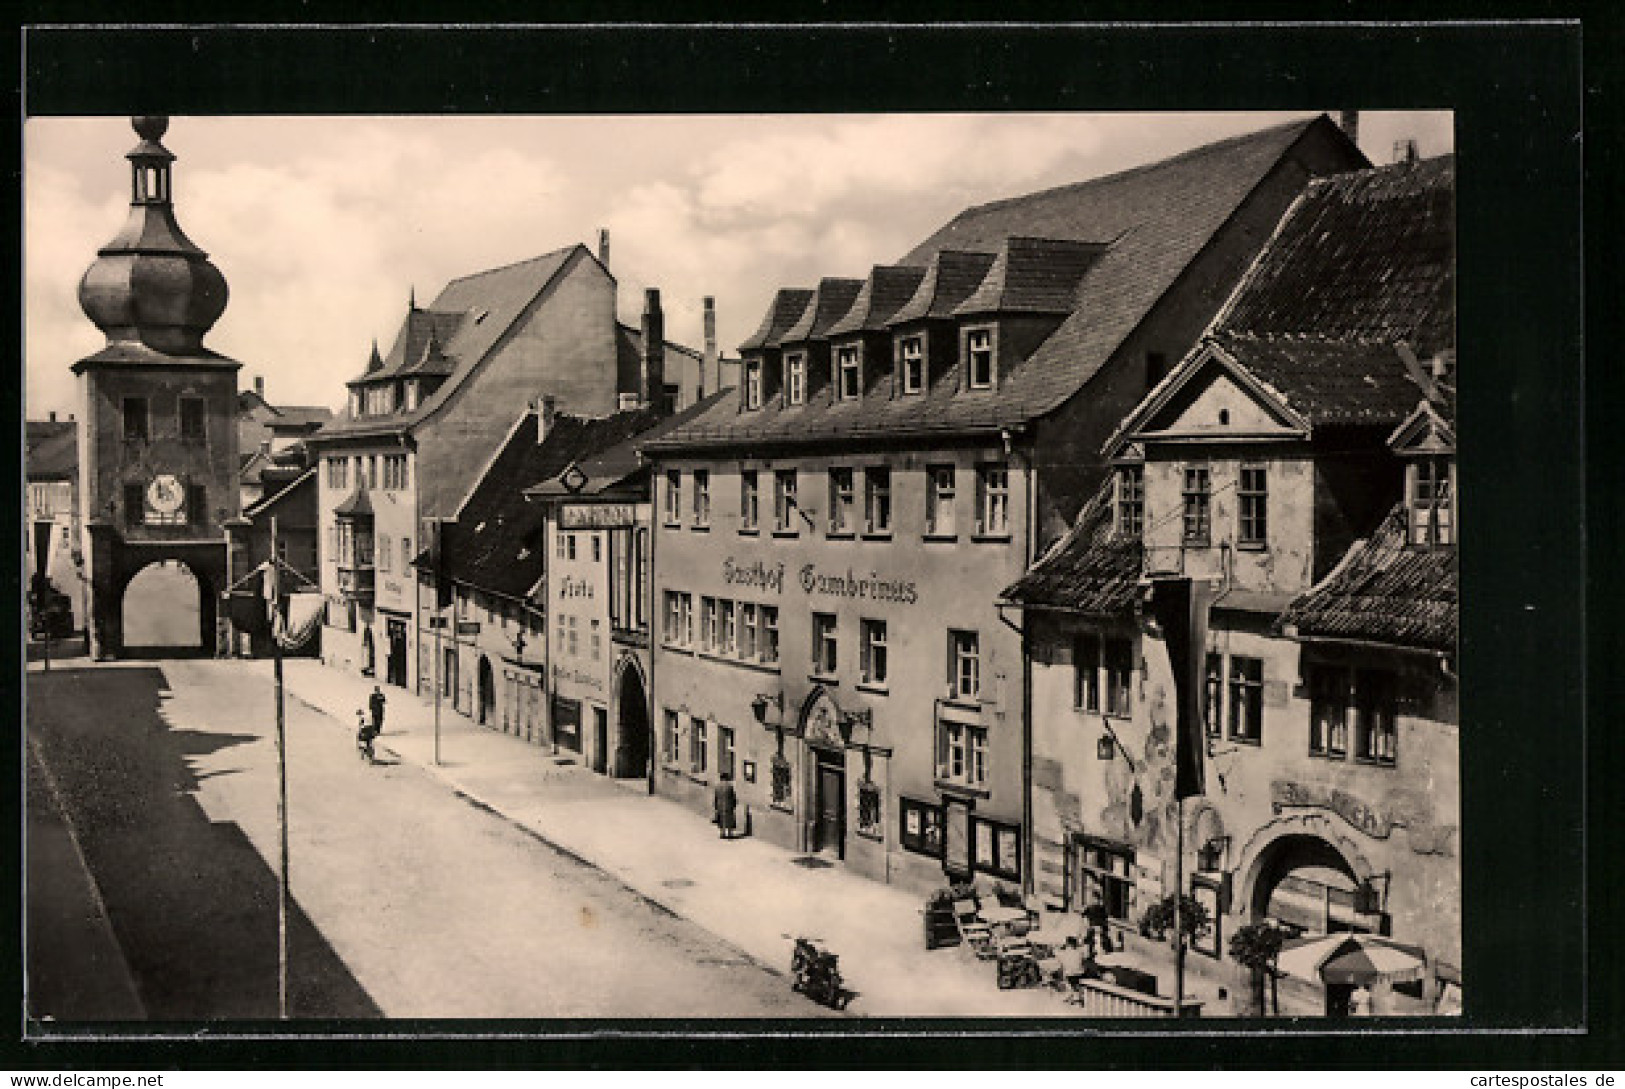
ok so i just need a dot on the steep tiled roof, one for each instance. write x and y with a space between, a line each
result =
1033 276
1363 256
830 302
619 462
1384 591
467 319
1156 218
495 544
1329 381
950 277
52 451
887 289
785 310
1090 570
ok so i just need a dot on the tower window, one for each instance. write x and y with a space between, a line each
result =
135 419
192 416
197 504
134 504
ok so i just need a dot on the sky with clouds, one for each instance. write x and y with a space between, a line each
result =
322 225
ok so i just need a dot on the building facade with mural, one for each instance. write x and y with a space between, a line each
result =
830 539
1296 467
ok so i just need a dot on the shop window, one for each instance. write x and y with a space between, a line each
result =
911 353
871 818
995 848
872 652
877 500
920 827
962 754
192 417
964 665
1131 502
1246 699
779 795
1198 497
840 502
749 501
825 645
993 501
1252 499
939 501
1105 874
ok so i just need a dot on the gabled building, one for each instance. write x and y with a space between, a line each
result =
829 541
51 541
1295 467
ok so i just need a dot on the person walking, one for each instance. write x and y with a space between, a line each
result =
376 703
724 803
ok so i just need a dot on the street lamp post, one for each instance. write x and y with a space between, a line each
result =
274 604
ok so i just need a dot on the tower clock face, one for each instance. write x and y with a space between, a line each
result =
165 494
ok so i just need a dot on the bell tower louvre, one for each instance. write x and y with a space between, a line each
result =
158 430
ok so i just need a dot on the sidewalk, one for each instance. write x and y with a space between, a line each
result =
745 891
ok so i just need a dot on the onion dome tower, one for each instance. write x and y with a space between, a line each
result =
151 284
158 431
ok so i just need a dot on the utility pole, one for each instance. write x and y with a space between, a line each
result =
439 622
1179 910
274 600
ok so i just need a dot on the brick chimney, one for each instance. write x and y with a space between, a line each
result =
547 410
652 375
710 381
603 246
259 385
1349 122
1405 150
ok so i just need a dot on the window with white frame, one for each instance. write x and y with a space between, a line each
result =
710 625
995 848
872 662
698 745
748 629
753 383
825 646
1130 502
702 498
729 621
574 633
674 497
1252 506
671 738
1330 697
939 501
841 501
911 361
848 372
795 378
749 500
1246 699
993 500
979 358
877 499
964 665
1105 674
784 501
1198 499
1106 875
725 751
962 753
1376 735
769 637
1432 501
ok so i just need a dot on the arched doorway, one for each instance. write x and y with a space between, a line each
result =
1305 885
163 609
487 693
631 724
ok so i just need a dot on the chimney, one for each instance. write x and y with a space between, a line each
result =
1405 150
652 377
603 246
259 385
1349 122
547 410
708 361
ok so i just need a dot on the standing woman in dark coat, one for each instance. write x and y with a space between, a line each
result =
724 802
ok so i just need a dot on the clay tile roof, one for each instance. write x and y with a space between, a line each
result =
1384 591
1090 570
950 277
52 451
785 310
1158 218
830 302
1329 381
1034 276
884 292
1368 255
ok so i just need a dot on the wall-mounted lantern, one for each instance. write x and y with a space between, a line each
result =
762 702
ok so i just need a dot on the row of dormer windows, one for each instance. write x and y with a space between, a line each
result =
859 501
911 358
386 398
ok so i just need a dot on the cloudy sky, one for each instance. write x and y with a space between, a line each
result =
322 225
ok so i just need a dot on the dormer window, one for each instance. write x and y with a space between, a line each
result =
979 358
753 384
847 369
911 359
1432 502
795 379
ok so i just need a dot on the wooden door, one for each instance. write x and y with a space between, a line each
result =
956 859
830 827
600 739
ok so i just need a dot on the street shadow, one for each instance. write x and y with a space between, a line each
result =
192 904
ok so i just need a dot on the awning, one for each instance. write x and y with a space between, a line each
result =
1352 958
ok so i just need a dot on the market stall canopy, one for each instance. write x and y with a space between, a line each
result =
1353 958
